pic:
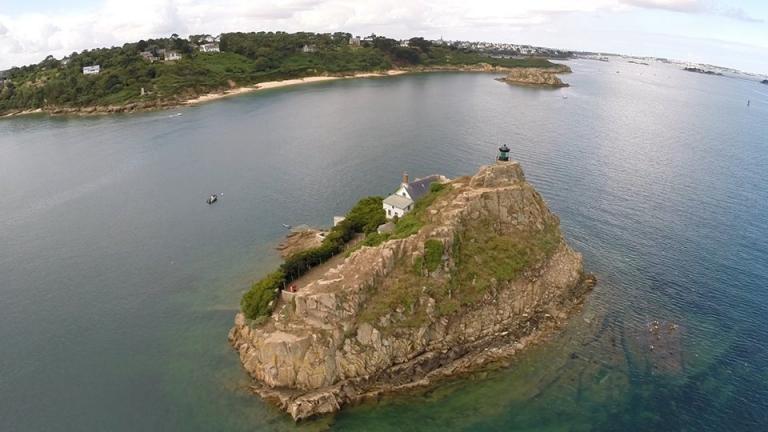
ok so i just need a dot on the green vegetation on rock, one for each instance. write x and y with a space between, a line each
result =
484 257
433 254
364 217
259 300
481 258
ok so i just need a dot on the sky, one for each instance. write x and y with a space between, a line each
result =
727 33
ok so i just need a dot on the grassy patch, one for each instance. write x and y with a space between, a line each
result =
433 254
483 256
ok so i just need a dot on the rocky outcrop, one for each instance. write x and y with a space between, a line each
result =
299 240
537 76
379 322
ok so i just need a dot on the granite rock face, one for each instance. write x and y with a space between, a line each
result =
336 342
537 76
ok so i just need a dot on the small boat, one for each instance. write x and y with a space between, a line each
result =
212 199
286 226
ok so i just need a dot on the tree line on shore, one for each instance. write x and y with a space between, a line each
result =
137 73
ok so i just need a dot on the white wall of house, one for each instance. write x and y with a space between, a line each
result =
392 211
91 70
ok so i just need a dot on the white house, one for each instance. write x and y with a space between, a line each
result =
172 55
91 70
308 49
402 201
354 41
209 47
405 43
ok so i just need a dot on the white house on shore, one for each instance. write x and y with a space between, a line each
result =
402 201
91 70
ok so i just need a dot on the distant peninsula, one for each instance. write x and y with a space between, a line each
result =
473 271
702 71
540 77
167 72
765 81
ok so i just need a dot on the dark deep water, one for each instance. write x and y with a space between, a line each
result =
118 284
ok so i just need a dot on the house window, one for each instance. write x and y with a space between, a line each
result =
403 193
389 212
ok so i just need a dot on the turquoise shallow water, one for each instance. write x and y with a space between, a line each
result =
118 284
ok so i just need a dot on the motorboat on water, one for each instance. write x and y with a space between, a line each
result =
212 199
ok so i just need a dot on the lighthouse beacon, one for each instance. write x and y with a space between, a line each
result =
503 154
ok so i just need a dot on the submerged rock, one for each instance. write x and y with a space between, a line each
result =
389 317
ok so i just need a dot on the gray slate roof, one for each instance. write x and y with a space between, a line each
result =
398 201
420 187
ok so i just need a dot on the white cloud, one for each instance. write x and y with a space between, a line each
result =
673 5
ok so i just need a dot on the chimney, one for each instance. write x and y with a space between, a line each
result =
405 177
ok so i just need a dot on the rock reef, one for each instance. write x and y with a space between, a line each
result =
537 76
398 315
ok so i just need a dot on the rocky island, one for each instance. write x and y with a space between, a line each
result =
701 71
483 272
765 81
544 77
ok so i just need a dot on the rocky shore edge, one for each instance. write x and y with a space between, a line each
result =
422 372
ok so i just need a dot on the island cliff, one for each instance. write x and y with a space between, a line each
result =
487 274
544 77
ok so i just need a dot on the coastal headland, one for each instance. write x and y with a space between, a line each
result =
538 76
478 271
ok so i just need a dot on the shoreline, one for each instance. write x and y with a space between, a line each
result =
137 107
268 85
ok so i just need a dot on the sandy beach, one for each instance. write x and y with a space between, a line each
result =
285 83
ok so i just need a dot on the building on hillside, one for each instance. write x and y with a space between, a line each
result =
405 43
354 41
148 56
308 49
210 48
91 70
172 55
402 201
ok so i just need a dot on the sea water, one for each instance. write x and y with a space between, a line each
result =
118 284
